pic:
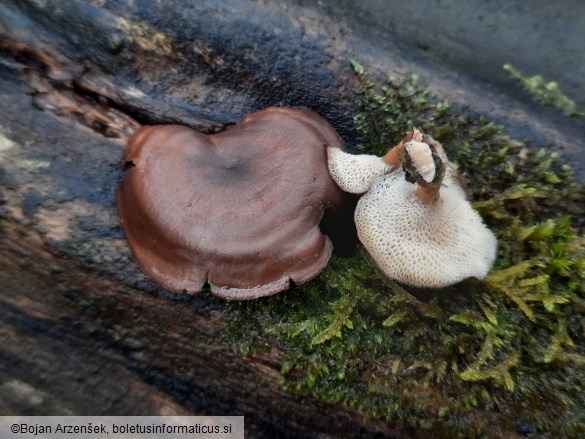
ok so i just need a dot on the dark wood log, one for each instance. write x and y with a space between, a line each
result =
82 330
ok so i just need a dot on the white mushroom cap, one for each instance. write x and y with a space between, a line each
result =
425 245
355 173
420 230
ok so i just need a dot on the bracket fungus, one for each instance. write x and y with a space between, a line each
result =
239 210
414 218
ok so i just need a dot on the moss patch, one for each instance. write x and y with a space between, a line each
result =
548 93
495 358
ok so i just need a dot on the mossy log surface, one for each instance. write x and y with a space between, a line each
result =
82 330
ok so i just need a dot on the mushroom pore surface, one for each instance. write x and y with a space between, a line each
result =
431 245
239 209
414 218
355 173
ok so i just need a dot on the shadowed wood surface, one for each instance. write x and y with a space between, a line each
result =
82 330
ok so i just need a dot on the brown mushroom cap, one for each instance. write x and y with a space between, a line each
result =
239 209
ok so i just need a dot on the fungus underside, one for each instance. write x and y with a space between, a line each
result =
489 358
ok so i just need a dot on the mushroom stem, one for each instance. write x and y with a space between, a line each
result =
427 192
427 195
393 158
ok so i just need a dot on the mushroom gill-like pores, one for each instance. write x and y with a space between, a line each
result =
414 219
239 209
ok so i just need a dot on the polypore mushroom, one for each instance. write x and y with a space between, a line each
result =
239 210
414 219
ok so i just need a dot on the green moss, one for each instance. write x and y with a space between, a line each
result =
548 93
478 359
